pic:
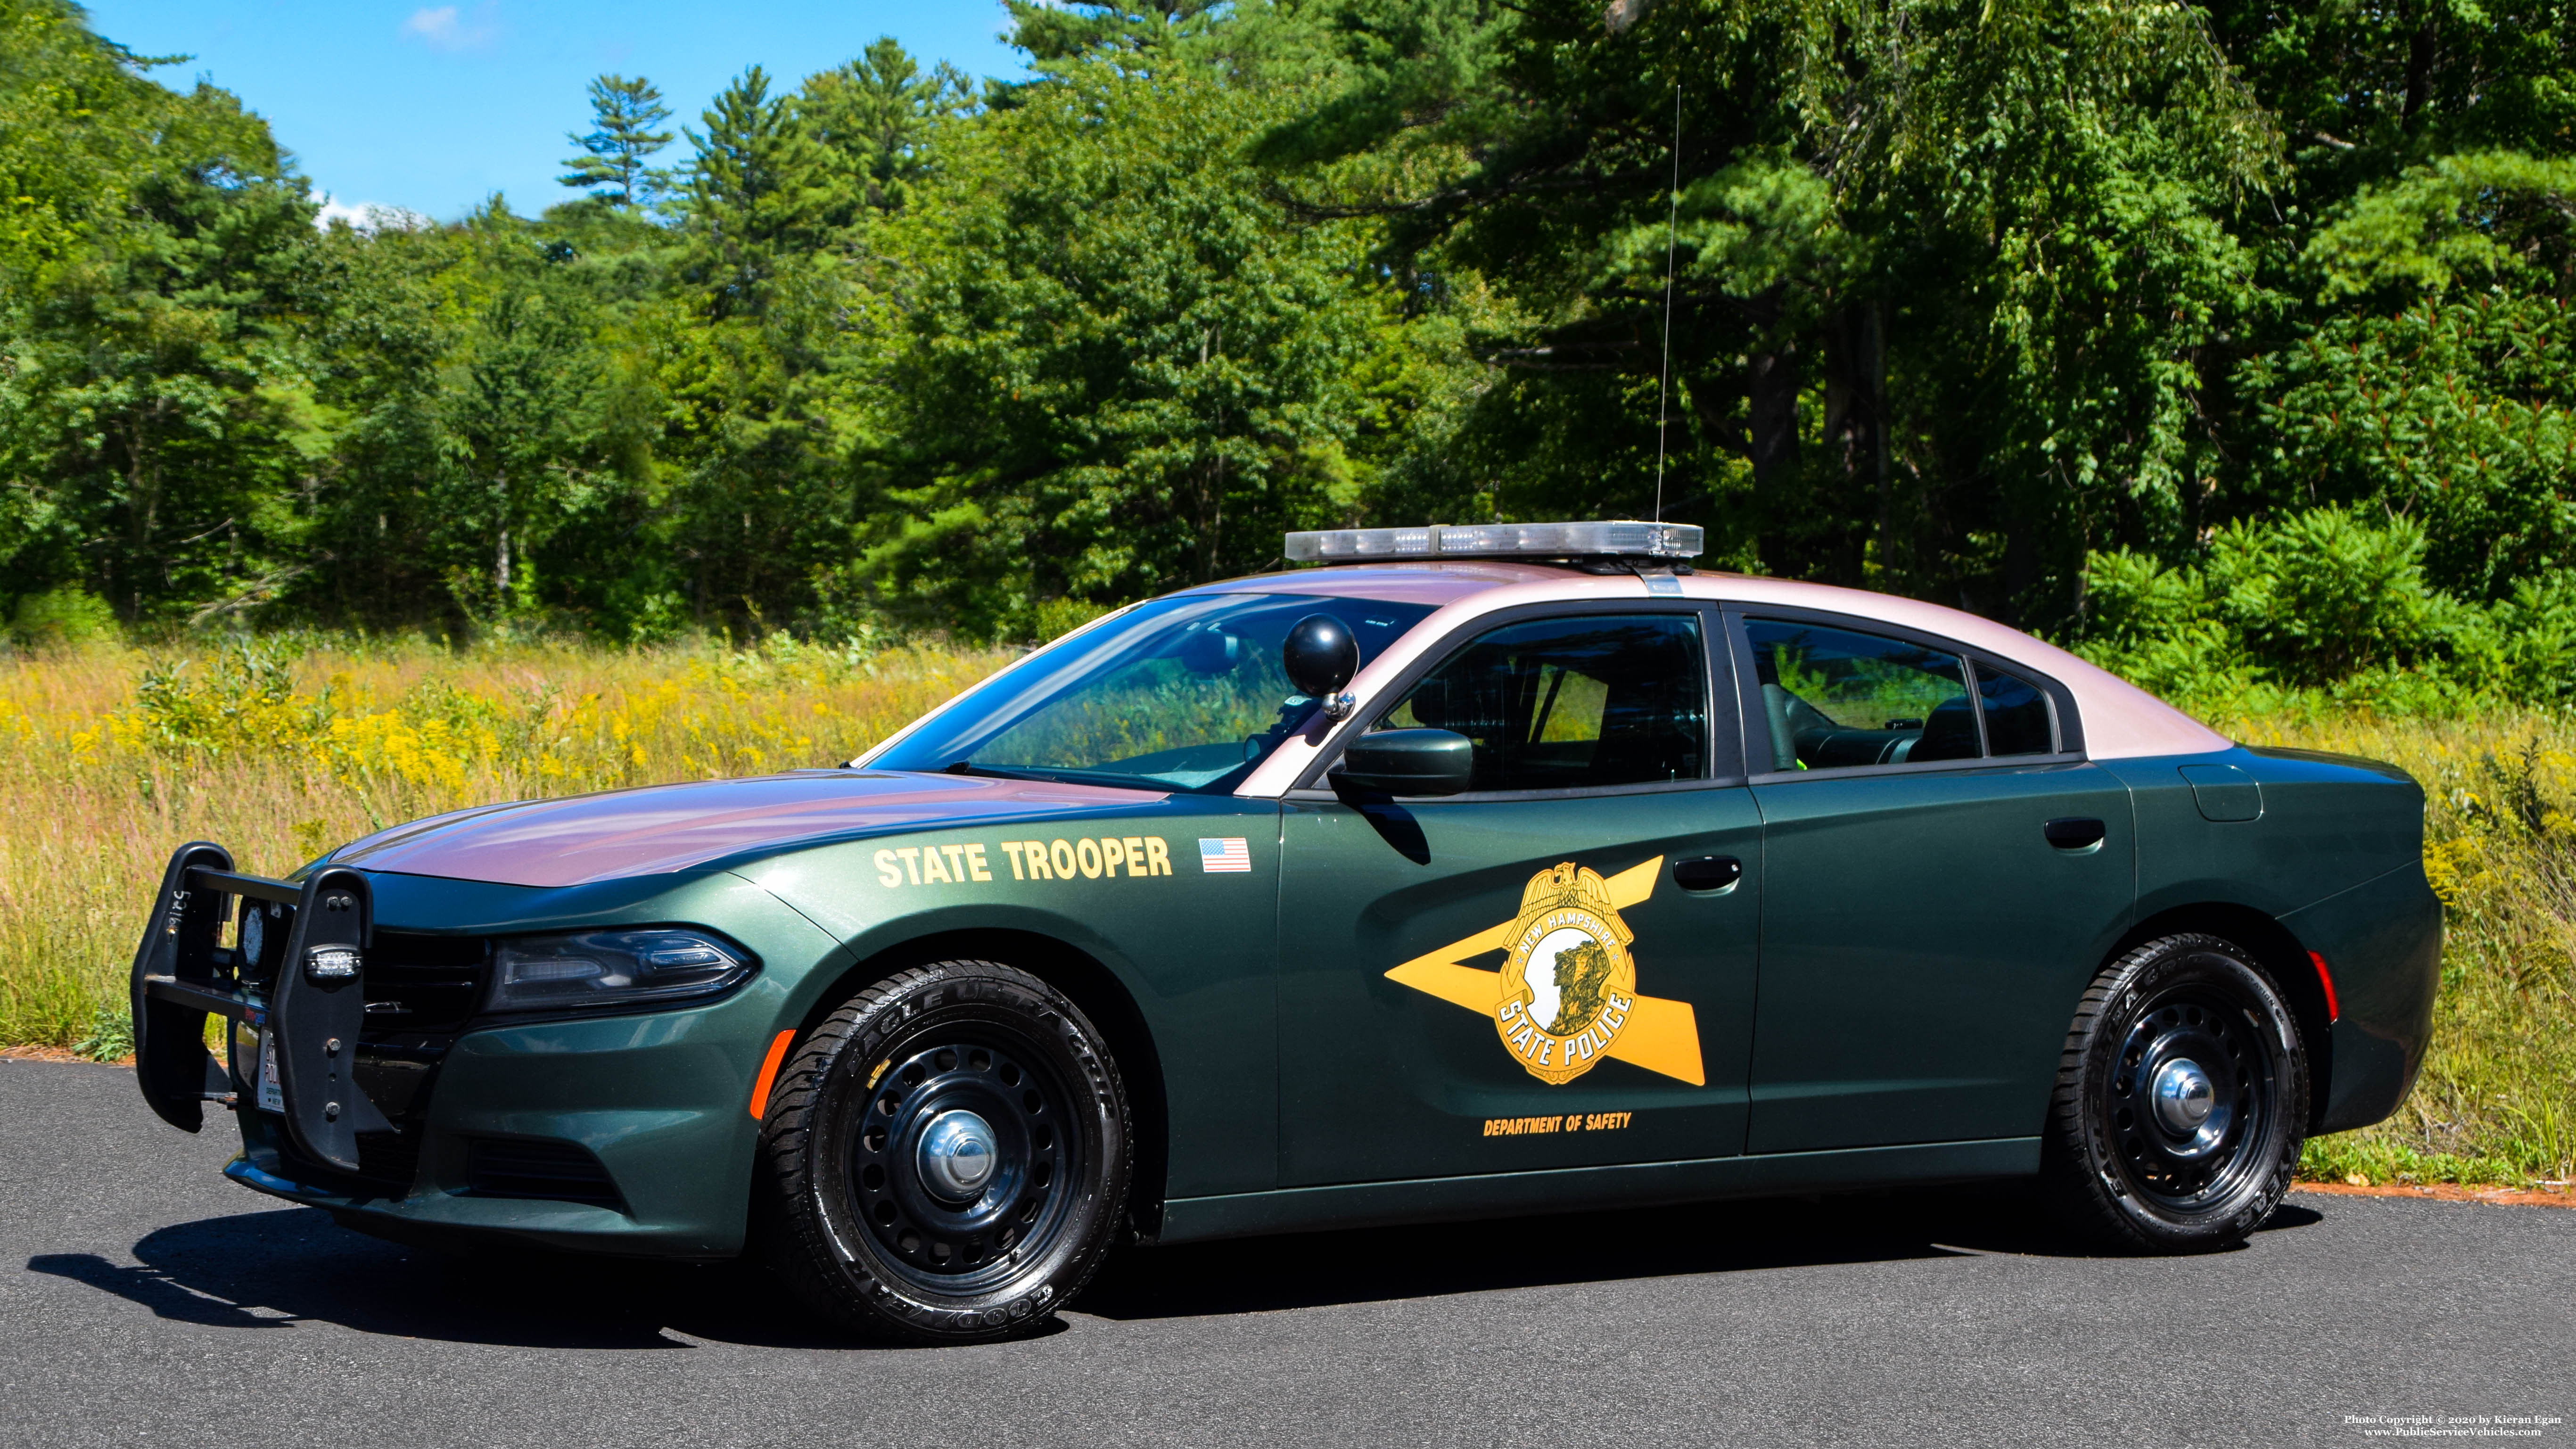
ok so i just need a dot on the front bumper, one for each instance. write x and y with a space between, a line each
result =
625 1133
660 1102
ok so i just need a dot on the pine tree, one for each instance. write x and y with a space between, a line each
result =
623 112
877 115
757 191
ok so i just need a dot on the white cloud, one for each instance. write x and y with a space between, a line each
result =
366 216
443 27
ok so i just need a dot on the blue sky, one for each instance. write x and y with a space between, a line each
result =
432 107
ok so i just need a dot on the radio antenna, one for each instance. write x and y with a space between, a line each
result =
1672 225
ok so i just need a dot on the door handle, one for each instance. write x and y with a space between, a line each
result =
2073 832
1707 872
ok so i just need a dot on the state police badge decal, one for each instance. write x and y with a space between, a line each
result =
1570 984
1566 995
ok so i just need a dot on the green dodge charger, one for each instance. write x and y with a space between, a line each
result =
1467 871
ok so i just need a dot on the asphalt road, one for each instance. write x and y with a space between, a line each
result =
144 1299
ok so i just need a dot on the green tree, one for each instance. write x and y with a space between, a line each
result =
494 460
1945 274
155 421
1258 44
624 110
879 117
1118 366
758 192
2422 243
521 414
1137 38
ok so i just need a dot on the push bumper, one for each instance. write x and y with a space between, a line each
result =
621 1133
300 987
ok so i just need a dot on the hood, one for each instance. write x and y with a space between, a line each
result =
661 828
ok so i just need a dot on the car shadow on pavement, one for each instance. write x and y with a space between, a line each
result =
266 1270
1365 1265
275 1269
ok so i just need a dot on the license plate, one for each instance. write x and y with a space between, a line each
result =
272 1093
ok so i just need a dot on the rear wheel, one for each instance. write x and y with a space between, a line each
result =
948 1155
2181 1103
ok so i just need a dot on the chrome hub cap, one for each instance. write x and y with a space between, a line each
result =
958 1154
964 1162
2189 1102
2183 1096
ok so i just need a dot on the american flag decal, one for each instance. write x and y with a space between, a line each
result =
1225 857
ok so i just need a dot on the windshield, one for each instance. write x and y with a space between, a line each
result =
1184 693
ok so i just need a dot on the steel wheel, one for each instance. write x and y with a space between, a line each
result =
957 1163
2181 1100
2193 1092
948 1155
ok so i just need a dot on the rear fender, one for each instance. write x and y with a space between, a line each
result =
2382 940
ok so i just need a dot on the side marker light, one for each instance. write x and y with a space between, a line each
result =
769 1073
2325 978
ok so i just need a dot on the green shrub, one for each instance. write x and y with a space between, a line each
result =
2322 596
68 615
1050 619
111 1034
2327 608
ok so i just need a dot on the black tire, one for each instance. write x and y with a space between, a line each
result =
2132 1168
875 1229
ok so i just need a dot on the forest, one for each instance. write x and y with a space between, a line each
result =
2228 342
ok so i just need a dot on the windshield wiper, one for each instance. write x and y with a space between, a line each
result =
1061 777
989 772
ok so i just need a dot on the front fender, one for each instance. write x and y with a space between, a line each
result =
1195 950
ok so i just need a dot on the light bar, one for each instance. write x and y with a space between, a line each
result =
1623 539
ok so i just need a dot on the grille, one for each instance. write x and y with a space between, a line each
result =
421 990
420 984
538 1168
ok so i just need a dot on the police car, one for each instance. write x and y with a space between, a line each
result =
1453 872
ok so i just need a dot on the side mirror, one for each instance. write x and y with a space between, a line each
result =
1319 655
1408 762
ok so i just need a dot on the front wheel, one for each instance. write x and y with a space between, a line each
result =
948 1156
2181 1103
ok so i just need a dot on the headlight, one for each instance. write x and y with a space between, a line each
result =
611 969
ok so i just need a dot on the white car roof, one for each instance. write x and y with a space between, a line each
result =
2121 721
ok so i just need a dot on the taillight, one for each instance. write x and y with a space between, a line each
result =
2325 978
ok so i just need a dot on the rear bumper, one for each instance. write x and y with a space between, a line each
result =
2382 940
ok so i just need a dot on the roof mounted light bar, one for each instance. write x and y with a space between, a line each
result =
1622 539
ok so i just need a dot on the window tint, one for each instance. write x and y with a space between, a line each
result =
1835 698
1564 704
1183 693
2017 721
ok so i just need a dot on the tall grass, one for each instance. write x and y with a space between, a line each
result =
2497 1099
111 756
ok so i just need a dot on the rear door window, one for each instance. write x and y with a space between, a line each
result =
1838 699
2017 717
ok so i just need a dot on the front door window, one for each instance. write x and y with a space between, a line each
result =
1573 704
